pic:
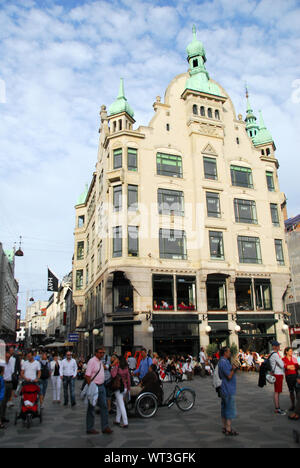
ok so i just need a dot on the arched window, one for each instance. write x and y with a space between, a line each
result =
217 114
202 111
268 152
209 113
262 152
195 63
120 124
195 109
115 126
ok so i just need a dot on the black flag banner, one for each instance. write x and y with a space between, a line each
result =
52 282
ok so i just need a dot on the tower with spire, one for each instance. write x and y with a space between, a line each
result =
120 112
251 120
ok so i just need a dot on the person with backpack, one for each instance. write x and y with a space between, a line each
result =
227 391
121 386
45 374
278 371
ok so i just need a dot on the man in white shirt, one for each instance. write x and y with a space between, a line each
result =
202 356
31 369
188 369
7 376
277 366
68 374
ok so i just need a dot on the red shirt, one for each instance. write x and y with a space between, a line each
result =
290 362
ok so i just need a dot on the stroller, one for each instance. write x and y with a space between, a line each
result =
30 404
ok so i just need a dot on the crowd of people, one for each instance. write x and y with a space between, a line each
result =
113 378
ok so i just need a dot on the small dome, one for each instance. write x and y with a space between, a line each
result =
195 47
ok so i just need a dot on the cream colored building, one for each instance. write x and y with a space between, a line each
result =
181 227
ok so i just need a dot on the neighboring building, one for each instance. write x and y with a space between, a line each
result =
181 226
292 229
36 322
21 333
8 296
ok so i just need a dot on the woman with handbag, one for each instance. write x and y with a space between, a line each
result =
120 385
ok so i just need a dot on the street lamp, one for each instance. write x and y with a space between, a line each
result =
208 329
237 328
86 335
150 329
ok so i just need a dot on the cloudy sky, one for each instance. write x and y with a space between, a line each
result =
61 60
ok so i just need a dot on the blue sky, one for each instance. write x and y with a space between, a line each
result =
61 60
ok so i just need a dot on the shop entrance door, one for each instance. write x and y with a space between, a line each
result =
123 338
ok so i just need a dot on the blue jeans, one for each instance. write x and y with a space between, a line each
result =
69 382
90 416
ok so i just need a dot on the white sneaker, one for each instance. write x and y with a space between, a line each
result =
280 412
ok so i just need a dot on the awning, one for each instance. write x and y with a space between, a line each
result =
122 322
260 320
196 322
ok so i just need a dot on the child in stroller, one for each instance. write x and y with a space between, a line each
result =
30 404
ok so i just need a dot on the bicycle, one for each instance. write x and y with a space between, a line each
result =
184 398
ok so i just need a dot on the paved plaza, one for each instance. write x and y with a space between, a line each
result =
170 428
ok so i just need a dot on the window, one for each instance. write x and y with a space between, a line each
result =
268 152
279 252
195 63
170 202
195 109
101 182
274 214
270 181
249 249
172 244
80 250
216 245
216 292
209 113
81 221
100 253
132 197
87 275
263 294
79 279
163 292
169 165
186 292
241 176
117 241
118 158
202 111
117 198
133 241
245 211
87 244
244 294
132 159
168 127
122 294
217 114
210 168
237 141
120 124
262 152
213 205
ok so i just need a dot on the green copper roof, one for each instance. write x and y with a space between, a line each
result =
263 135
121 104
82 197
195 47
199 78
10 255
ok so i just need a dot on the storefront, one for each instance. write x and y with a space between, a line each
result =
257 332
219 334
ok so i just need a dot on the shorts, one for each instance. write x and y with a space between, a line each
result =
291 381
228 407
278 384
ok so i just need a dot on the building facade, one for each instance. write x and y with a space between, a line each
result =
8 296
179 238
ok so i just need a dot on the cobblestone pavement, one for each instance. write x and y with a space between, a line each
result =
170 428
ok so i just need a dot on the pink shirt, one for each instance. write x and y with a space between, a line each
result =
92 369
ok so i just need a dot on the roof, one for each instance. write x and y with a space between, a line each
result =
292 221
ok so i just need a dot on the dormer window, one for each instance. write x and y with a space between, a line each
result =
195 109
195 63
209 113
202 111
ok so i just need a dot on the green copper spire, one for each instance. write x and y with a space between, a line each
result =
82 197
251 124
263 135
199 78
121 104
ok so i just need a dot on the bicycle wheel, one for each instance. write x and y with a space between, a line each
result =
185 399
146 405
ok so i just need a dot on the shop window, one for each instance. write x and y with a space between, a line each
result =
169 165
133 241
263 294
80 250
117 241
274 214
163 292
210 168
117 198
213 205
249 249
186 292
132 197
241 176
172 244
117 158
132 159
170 202
270 181
216 292
245 211
216 245
244 294
279 251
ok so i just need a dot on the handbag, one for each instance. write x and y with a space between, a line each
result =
117 384
85 387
